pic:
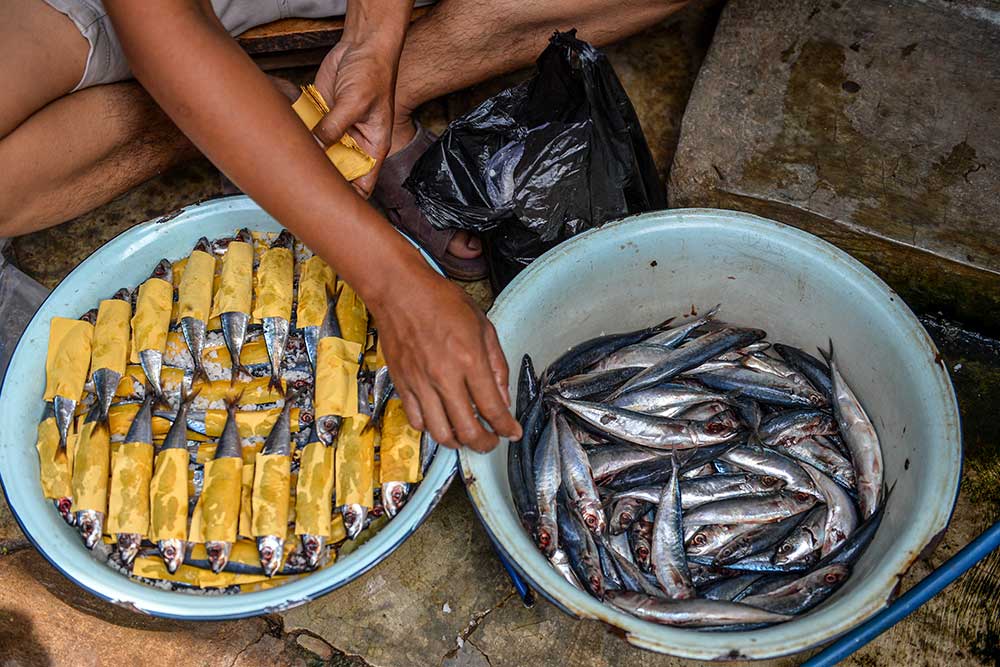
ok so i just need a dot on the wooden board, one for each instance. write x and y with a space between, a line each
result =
294 34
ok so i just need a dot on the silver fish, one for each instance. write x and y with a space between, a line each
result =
802 545
841 517
90 523
691 613
858 432
330 326
172 550
152 360
560 561
313 548
63 408
650 431
383 389
668 558
271 548
275 338
608 461
106 380
756 509
801 594
548 478
625 511
765 387
394 495
826 459
763 537
695 492
229 446
354 519
140 431
193 329
769 463
667 400
578 479
708 540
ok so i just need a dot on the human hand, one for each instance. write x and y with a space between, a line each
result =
445 360
358 82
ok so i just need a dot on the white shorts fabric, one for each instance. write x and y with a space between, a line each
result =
106 62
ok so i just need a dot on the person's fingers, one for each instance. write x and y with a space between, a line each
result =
411 406
343 115
498 362
468 428
490 402
435 419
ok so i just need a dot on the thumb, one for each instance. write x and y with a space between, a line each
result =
335 124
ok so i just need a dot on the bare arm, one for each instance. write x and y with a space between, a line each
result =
226 106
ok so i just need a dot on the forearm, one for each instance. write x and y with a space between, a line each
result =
226 106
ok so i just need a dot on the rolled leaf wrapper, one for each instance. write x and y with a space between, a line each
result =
246 488
151 321
111 335
91 468
256 392
235 291
399 454
314 491
275 277
336 388
120 418
272 492
153 567
133 382
349 158
352 315
338 532
355 462
68 358
169 496
194 293
254 352
56 472
316 279
217 514
128 500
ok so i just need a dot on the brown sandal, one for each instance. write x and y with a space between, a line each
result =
402 210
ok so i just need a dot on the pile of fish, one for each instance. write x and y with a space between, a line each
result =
230 420
697 475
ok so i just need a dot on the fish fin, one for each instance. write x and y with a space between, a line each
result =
189 392
664 324
827 355
713 312
275 384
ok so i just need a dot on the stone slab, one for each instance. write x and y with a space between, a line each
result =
872 124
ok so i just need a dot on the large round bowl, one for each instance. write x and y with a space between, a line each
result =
126 261
803 291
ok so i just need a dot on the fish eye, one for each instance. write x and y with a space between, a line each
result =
328 423
769 480
643 552
831 578
784 548
802 496
626 517
595 583
543 538
699 539
305 418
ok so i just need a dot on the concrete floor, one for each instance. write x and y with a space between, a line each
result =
443 598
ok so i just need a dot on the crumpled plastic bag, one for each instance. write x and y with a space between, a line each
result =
20 297
540 162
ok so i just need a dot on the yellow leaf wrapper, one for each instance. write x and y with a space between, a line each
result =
314 491
153 567
255 392
120 418
336 388
272 492
169 496
355 462
152 317
316 278
275 276
56 474
399 454
194 293
379 355
254 352
338 531
133 380
68 358
91 468
128 500
352 315
236 282
111 336
217 516
349 158
246 488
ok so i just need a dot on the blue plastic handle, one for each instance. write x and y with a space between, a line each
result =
909 602
526 594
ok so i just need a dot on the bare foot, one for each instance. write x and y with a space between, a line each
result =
463 245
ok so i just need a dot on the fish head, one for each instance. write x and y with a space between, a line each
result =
283 240
124 294
593 516
65 508
354 519
770 482
163 270
595 577
90 316
642 551
394 495
312 547
203 245
218 555
327 428
91 526
244 235
173 554
128 546
545 534
833 574
270 548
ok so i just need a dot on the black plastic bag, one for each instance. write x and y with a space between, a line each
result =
540 162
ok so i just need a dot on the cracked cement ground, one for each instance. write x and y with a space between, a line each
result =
443 597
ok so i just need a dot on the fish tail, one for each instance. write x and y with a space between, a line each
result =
275 384
827 354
